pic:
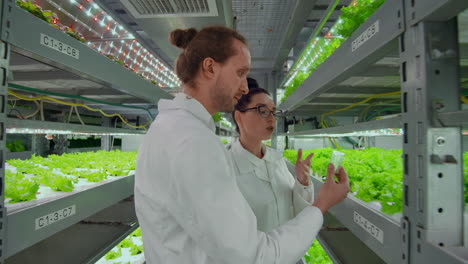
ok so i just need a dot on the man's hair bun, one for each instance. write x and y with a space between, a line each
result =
182 37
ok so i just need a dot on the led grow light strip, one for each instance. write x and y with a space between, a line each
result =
364 133
63 132
170 79
72 17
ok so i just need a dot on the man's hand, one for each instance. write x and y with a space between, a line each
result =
332 192
303 168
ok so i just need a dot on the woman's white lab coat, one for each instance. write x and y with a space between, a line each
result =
272 192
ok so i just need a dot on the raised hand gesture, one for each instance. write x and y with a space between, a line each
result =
303 168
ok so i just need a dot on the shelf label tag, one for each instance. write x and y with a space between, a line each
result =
59 46
372 229
365 36
54 217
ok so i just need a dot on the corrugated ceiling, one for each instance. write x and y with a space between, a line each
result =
264 23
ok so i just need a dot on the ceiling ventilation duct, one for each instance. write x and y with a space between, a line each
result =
171 8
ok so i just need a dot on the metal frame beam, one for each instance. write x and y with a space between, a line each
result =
348 101
433 179
369 90
298 19
86 91
44 76
456 118
433 10
47 125
393 122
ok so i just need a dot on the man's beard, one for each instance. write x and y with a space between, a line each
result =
221 99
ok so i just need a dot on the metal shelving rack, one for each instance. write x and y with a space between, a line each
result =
344 62
416 51
4 67
25 32
224 131
26 221
92 217
15 123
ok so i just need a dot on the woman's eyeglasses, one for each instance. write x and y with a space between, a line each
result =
264 111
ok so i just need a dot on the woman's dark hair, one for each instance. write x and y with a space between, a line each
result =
211 42
252 83
245 100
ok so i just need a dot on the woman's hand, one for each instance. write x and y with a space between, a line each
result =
303 168
332 192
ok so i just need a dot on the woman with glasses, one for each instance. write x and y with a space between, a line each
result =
274 195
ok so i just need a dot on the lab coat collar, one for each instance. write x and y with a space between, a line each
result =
272 155
190 104
247 162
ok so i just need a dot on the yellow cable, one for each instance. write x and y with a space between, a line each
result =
324 123
361 102
74 104
465 99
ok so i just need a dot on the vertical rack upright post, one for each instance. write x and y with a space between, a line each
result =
106 143
4 69
433 179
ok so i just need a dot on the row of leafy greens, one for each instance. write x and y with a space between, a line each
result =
128 243
375 174
61 173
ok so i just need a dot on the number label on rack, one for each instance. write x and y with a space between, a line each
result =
59 46
365 36
370 228
54 217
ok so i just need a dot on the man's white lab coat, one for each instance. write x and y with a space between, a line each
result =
189 206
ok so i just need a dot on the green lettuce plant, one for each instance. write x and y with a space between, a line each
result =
136 233
136 249
92 176
34 9
15 146
113 254
59 183
217 117
19 188
126 243
375 174
316 254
